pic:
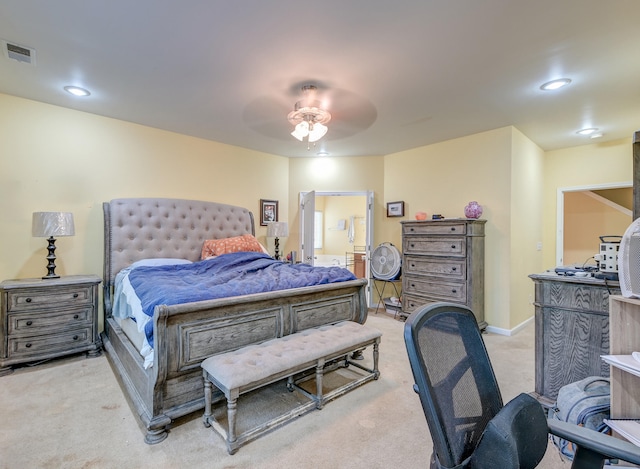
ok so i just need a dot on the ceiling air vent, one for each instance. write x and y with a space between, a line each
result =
20 53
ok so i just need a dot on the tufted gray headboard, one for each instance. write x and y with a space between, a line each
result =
144 228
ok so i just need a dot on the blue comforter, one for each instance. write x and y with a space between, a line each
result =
234 274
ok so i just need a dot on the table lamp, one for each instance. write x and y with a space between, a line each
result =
50 224
277 230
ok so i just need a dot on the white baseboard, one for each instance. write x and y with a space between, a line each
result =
509 332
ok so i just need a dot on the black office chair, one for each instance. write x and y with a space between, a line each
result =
469 425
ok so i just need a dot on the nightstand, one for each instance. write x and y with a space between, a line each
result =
42 319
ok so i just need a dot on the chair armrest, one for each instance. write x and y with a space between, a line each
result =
606 445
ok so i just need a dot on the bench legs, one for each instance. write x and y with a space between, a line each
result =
317 400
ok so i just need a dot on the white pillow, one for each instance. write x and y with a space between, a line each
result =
159 261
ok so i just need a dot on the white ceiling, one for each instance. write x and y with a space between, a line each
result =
395 74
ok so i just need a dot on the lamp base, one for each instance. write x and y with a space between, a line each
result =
51 258
276 254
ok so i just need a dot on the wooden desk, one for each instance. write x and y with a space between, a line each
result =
572 331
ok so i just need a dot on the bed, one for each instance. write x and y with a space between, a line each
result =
168 384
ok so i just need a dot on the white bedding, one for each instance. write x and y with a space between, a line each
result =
127 309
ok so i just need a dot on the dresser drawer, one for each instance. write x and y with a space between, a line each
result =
411 302
446 291
435 228
37 322
445 268
39 298
453 247
49 343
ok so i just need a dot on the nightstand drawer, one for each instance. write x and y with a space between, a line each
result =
453 246
39 298
37 322
49 343
445 268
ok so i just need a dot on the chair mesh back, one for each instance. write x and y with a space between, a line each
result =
457 386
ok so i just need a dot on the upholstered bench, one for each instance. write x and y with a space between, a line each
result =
258 365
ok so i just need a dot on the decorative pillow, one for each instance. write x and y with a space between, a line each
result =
216 247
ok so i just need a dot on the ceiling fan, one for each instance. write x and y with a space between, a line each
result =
312 106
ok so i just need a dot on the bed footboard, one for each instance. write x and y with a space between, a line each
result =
187 334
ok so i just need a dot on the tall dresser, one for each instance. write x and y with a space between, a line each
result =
443 260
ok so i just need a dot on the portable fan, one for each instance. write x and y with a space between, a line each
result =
629 261
386 262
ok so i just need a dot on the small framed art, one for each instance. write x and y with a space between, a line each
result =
268 211
395 209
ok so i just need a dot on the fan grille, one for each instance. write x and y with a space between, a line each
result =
386 262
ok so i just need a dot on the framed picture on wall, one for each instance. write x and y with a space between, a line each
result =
268 211
395 209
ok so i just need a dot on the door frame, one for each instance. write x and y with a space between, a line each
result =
560 210
369 197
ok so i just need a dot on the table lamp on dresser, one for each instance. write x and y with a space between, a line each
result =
49 225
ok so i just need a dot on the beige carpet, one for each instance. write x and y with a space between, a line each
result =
71 413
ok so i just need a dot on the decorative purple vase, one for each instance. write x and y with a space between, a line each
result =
473 210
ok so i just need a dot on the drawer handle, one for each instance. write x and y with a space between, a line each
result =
413 265
454 291
413 285
453 228
28 300
29 323
75 337
412 245
75 316
75 295
453 269
28 345
453 246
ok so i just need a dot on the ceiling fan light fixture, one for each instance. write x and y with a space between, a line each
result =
309 118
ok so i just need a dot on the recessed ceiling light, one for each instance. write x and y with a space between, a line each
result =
596 135
322 153
588 131
77 91
555 84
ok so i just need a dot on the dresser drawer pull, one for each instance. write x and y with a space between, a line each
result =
75 337
28 300
453 228
75 295
75 316
453 246
29 323
454 290
28 345
453 269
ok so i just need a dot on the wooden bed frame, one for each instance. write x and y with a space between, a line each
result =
186 334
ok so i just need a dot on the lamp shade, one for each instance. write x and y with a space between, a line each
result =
278 229
46 224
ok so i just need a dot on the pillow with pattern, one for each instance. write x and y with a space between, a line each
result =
216 247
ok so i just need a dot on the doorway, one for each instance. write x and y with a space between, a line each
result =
336 228
584 213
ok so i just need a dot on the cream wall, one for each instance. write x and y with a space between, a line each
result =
56 159
595 164
527 174
442 178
